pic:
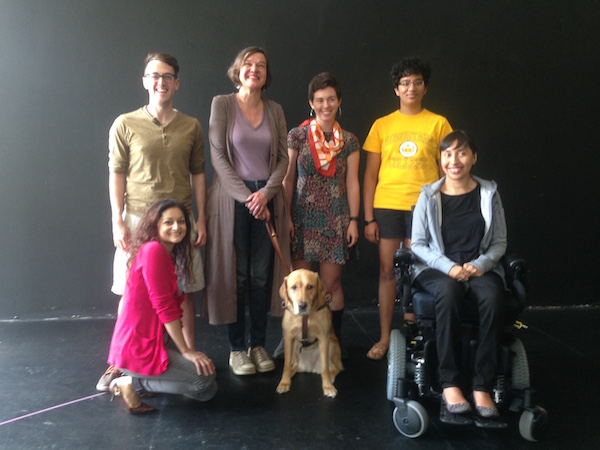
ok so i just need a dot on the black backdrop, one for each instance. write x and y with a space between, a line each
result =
521 77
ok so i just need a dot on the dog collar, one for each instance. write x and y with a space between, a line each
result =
304 341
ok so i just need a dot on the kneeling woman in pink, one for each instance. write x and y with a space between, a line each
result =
150 359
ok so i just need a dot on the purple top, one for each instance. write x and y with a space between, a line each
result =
251 147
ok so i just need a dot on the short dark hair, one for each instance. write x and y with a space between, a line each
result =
234 69
461 138
322 81
163 57
410 66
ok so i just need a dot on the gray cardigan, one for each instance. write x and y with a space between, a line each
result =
226 188
427 243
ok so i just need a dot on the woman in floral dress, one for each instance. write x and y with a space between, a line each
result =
322 191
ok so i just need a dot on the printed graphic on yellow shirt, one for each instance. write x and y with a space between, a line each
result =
408 149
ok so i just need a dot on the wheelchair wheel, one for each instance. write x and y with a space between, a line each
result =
533 423
414 422
520 366
396 362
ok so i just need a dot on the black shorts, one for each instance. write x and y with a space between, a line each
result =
393 224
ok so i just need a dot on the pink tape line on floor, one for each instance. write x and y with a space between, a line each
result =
51 408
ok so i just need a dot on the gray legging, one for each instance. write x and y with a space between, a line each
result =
180 377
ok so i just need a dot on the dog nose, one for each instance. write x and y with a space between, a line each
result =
302 306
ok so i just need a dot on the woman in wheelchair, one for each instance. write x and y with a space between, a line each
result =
458 238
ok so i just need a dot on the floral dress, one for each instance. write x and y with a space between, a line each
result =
320 210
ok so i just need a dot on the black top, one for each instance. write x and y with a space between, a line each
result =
462 225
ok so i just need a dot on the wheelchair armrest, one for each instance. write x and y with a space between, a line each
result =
515 268
403 260
516 277
513 262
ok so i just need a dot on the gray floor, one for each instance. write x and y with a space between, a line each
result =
48 401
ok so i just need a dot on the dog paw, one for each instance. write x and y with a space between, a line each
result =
283 387
330 392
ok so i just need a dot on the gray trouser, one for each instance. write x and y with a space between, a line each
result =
180 377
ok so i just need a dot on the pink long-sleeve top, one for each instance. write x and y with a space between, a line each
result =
151 299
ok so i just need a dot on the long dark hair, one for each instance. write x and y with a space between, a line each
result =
147 231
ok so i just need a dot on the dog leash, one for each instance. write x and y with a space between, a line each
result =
273 234
276 246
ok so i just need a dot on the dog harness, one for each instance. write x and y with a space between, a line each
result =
304 341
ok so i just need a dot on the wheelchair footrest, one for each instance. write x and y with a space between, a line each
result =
452 418
491 423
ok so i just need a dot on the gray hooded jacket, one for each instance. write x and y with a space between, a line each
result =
428 246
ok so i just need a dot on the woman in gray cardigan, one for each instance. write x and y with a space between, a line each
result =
458 237
248 150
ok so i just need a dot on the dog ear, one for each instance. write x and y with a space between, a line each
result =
283 291
322 295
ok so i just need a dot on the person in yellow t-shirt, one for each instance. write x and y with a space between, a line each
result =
402 155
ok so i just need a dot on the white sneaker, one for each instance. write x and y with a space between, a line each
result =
241 364
261 359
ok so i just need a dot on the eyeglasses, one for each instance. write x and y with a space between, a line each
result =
416 83
168 77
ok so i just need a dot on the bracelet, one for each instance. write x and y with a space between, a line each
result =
369 222
354 218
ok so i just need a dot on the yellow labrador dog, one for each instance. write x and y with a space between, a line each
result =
310 343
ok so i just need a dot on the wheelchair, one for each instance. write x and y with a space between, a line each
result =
412 355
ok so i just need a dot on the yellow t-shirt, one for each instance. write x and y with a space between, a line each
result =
409 147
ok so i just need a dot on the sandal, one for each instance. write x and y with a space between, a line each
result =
377 352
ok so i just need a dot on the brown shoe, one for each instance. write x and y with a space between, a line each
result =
261 359
123 387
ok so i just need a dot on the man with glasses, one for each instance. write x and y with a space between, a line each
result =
156 152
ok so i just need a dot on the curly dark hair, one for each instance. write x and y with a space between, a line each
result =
410 66
147 231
